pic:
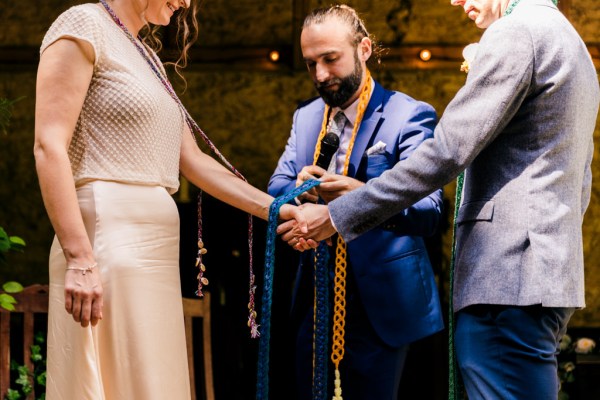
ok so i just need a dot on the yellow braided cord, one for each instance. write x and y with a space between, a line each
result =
339 306
339 316
321 134
365 96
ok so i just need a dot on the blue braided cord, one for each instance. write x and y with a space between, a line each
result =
262 378
321 323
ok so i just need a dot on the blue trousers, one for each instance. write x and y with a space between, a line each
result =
509 352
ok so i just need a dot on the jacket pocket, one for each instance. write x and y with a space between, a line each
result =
476 211
377 165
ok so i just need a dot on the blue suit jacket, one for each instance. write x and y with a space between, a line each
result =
390 263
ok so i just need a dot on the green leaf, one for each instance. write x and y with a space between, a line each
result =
22 380
17 244
40 337
41 379
27 389
4 241
8 307
12 287
13 395
17 241
7 298
23 371
7 301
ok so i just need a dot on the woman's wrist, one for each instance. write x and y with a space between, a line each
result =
84 269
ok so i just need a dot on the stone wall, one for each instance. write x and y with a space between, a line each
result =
247 110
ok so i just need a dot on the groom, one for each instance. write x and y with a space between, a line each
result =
522 130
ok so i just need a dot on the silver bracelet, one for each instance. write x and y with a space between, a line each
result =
83 270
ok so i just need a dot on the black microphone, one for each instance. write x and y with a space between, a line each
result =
329 145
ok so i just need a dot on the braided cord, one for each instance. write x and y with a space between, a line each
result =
322 133
339 314
321 322
321 299
339 307
262 381
453 384
339 311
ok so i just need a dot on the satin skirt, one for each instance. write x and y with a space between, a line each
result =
138 349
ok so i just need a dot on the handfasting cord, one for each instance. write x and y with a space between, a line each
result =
154 62
262 378
453 384
339 308
320 322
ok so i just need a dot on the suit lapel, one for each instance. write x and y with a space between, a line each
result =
366 130
312 134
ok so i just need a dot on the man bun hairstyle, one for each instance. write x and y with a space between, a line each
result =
348 16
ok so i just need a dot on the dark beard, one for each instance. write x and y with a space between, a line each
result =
348 86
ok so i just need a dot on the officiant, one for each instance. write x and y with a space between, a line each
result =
391 297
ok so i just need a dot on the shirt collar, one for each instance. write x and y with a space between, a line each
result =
351 111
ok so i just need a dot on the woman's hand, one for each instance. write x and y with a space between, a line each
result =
83 293
295 217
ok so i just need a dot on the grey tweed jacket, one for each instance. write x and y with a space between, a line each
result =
522 127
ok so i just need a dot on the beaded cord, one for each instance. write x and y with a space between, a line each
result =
154 62
339 308
262 374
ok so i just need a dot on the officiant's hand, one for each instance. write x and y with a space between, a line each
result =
333 186
309 172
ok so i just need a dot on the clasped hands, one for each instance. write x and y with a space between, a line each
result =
318 223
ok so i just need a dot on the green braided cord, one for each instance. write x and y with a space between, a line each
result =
514 3
262 374
321 323
452 366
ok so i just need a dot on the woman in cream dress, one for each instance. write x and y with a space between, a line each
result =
110 142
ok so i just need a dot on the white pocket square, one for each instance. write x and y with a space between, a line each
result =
377 148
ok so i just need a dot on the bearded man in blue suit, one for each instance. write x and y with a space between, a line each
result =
391 298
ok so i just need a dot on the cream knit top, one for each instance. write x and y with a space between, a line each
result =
129 129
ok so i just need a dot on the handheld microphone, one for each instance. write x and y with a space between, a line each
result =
329 145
